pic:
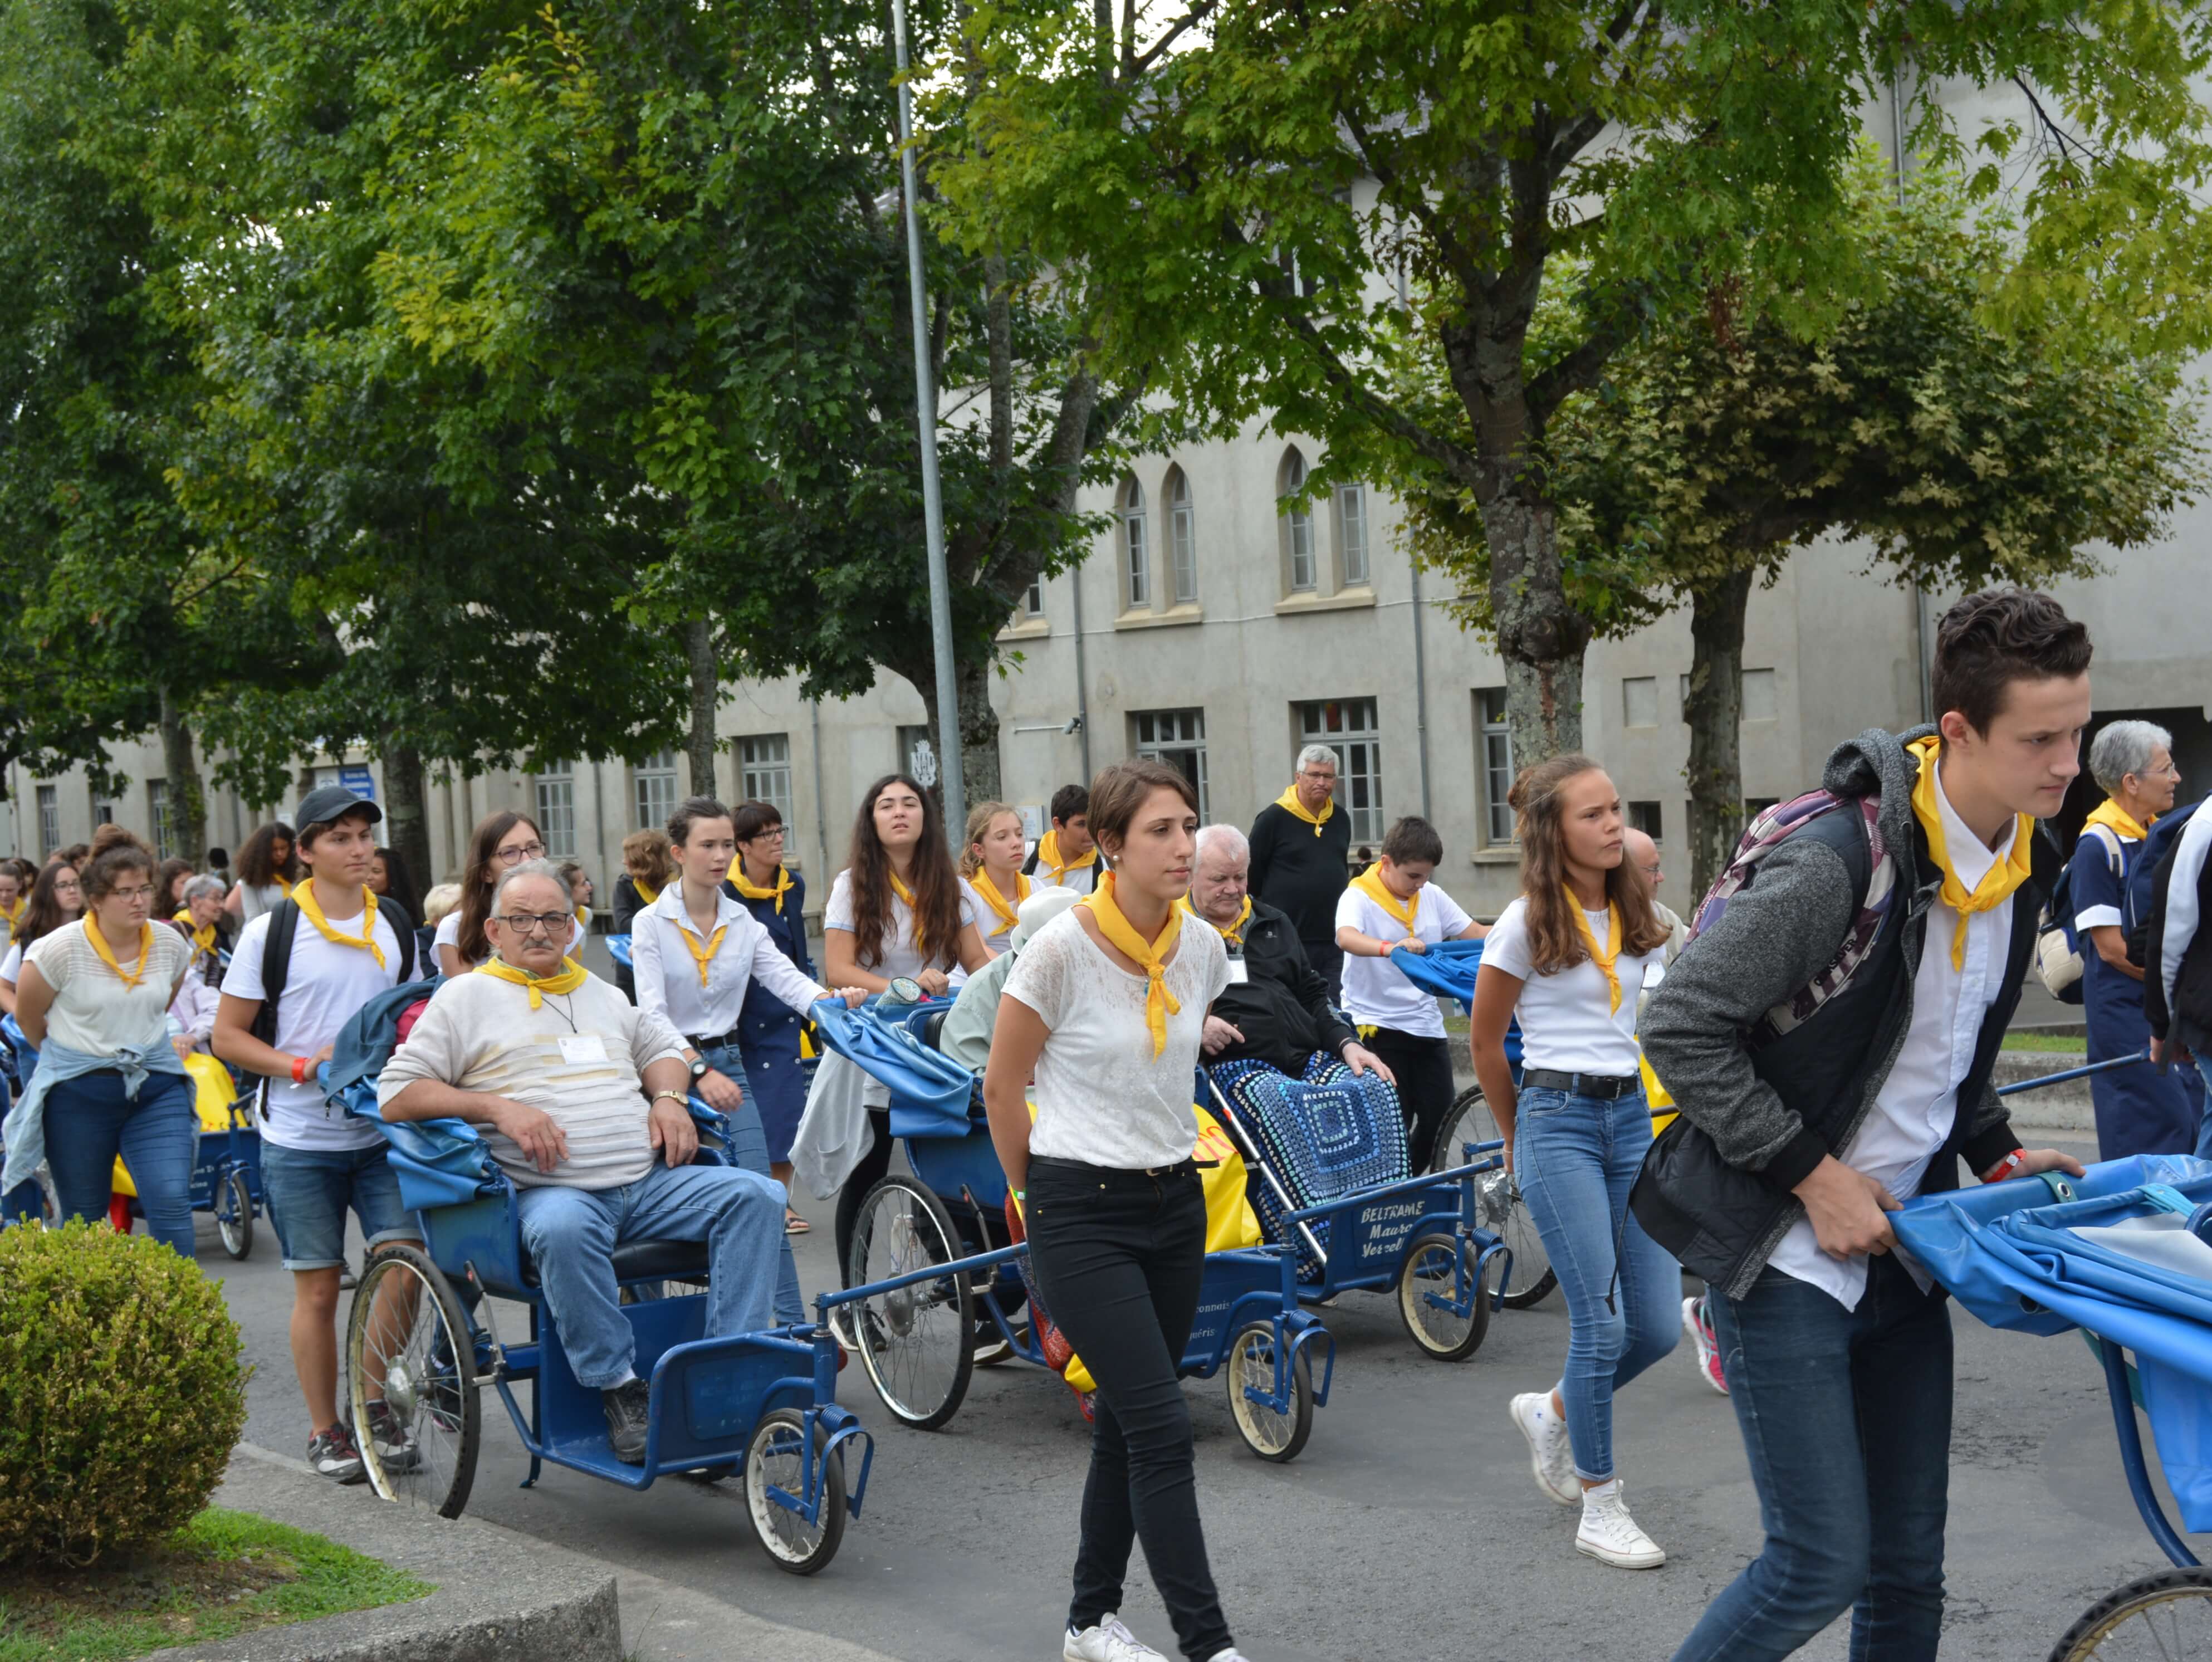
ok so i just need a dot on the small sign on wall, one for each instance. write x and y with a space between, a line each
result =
360 781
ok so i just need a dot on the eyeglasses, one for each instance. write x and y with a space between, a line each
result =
127 894
68 883
773 834
532 922
516 856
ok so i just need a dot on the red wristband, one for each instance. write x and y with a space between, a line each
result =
298 1070
2005 1167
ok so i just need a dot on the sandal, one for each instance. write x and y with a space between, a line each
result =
793 1224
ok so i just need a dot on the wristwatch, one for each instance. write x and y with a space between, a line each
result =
699 1068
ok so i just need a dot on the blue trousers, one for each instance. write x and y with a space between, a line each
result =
749 1148
89 1120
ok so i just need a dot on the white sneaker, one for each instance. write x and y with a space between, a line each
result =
1549 1451
1697 1324
1108 1641
1232 1654
1609 1535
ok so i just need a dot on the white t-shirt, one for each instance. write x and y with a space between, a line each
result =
325 985
11 966
449 934
94 1010
1376 992
1103 1096
1564 1022
899 956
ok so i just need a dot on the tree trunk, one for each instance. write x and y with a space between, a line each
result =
1714 711
1539 635
187 796
979 736
406 825
706 696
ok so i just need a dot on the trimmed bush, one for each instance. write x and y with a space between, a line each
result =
121 1390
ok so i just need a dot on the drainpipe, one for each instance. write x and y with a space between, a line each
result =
821 811
1082 680
1420 654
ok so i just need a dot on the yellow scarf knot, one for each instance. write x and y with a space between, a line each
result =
202 934
989 890
130 977
303 895
570 978
1604 955
2111 814
702 952
1997 883
761 892
14 914
1288 801
1370 884
1151 956
1058 865
1230 932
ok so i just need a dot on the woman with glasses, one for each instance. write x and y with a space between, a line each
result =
769 1032
94 998
202 993
57 898
2140 1111
500 841
268 866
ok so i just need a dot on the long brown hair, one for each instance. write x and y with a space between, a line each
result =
257 861
479 875
979 823
936 886
1555 941
43 914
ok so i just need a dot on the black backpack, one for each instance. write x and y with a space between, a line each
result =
276 965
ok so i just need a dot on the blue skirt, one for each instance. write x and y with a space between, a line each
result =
2140 1111
776 1076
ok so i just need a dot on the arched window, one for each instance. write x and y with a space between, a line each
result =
1297 522
1182 538
1136 546
1352 532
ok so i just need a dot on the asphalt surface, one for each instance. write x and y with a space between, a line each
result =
1408 1528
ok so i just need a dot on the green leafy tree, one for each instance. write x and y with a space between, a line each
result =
1234 190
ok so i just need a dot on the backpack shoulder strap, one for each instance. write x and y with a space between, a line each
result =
275 965
403 927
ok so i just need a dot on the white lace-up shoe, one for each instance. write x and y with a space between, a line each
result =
1232 1654
1108 1641
1609 1535
1550 1454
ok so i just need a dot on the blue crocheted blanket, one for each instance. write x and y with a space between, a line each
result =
1325 1134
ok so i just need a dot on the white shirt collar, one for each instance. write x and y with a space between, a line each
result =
670 905
1970 857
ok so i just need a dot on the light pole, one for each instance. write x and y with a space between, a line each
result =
932 501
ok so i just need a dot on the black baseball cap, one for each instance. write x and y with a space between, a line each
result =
327 803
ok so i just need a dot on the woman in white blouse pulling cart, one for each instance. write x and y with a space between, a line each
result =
695 952
1105 1007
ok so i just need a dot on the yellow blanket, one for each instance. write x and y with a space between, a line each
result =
212 1095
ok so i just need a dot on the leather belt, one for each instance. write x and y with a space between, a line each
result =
715 1042
1084 1168
1604 1088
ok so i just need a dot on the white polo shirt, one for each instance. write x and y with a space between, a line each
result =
667 974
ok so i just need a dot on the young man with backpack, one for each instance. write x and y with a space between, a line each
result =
1829 1035
298 973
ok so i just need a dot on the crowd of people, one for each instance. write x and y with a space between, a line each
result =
1745 1097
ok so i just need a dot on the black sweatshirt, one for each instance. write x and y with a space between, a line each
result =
1298 873
1282 1006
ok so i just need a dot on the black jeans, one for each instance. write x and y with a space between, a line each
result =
866 1176
1119 1257
1423 1069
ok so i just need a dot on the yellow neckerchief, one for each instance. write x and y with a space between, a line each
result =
570 978
1047 853
1288 801
906 894
1006 914
761 890
303 895
285 884
584 915
202 934
1149 955
702 953
1228 931
648 892
1370 884
131 977
2110 813
14 914
1997 883
1603 956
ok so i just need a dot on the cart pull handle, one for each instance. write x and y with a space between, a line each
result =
2062 1190
2167 1198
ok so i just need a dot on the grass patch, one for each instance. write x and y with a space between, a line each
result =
223 1573
2058 1044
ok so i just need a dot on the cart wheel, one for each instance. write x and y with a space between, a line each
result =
1499 1207
408 1337
2166 1616
1427 1289
233 1214
918 1342
774 1457
1251 1363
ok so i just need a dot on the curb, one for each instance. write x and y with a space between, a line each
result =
498 1598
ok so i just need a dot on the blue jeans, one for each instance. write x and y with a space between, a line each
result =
749 1149
89 1120
1576 1158
1846 1418
2204 1125
309 1190
571 1235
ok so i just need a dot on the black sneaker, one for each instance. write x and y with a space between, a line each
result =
331 1453
394 1447
628 1407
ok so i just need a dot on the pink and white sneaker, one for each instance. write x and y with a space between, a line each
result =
1699 1325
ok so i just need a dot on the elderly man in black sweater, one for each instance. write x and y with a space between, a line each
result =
1301 859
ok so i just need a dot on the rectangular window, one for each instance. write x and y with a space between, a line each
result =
556 809
1758 701
1033 599
1182 526
1348 726
1646 817
1176 737
50 820
1639 701
654 782
764 773
1496 739
1136 534
1351 522
1302 548
163 813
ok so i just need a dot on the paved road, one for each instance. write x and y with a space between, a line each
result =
1408 1529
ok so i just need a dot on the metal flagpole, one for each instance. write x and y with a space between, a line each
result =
932 501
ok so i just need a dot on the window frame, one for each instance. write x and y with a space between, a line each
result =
1493 737
161 814
547 784
1136 547
1167 735
1311 718
1182 540
1344 495
645 778
49 800
750 767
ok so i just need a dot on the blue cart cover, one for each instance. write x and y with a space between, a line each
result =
2114 1258
930 1091
1446 970
619 949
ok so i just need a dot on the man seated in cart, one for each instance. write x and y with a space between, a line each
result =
582 1098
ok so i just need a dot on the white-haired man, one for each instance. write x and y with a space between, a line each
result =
1301 859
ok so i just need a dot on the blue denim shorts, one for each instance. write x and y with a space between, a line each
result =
309 1190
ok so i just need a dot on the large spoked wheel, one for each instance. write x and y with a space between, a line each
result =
1251 1366
774 1458
233 1214
2166 1617
1499 1207
1428 1287
918 1342
411 1371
